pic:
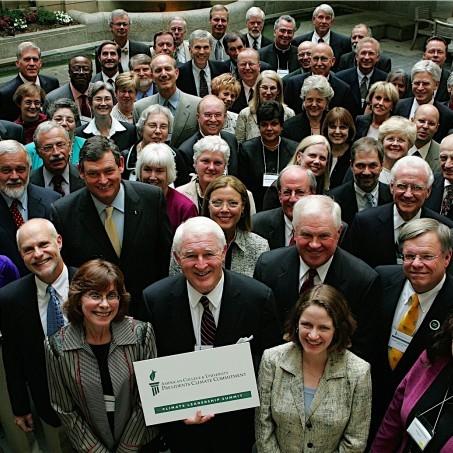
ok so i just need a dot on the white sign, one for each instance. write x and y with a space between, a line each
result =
211 380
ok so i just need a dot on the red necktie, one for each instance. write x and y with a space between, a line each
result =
309 281
17 216
84 107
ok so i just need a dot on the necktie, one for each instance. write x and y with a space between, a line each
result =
169 106
55 318
407 325
369 200
111 230
417 153
250 95
292 241
111 82
218 51
309 281
363 89
17 216
320 41
84 107
255 43
203 85
208 327
57 181
447 201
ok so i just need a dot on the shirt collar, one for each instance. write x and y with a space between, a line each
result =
374 192
117 203
325 38
321 270
215 296
398 221
362 75
172 100
48 175
114 128
60 285
423 150
424 298
36 82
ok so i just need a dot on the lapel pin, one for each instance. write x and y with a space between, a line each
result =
434 324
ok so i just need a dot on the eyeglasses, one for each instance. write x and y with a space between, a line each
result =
296 193
410 258
30 103
154 126
247 63
51 146
98 297
403 187
220 203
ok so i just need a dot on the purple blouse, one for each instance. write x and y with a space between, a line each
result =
179 208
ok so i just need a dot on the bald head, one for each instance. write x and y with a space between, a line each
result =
304 51
426 120
322 59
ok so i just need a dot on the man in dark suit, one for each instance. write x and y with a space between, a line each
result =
316 259
218 19
206 306
323 19
108 54
322 61
120 25
19 200
436 50
361 77
426 251
254 19
53 145
195 76
11 131
281 55
211 116
29 64
123 222
234 44
348 60
374 232
364 190
425 77
275 225
28 312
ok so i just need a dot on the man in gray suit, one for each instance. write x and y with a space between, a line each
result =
426 119
183 106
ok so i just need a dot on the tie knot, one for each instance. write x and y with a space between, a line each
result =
109 211
202 72
57 179
449 188
414 301
51 291
205 302
312 273
111 82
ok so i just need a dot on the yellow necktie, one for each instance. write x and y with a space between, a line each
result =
407 325
111 230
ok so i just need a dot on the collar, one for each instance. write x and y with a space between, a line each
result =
374 192
424 298
398 221
215 296
48 175
241 240
114 128
197 70
23 200
76 93
361 75
282 50
172 100
117 203
423 150
446 183
321 270
36 82
105 77
325 38
61 286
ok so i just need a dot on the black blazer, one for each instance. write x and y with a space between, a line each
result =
403 108
297 127
279 269
271 226
340 44
38 205
145 251
135 47
371 236
434 201
251 165
23 348
345 196
362 124
348 61
442 93
247 308
342 93
186 81
124 139
11 131
75 181
8 110
268 54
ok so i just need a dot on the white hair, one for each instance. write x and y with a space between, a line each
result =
213 144
314 205
254 11
412 162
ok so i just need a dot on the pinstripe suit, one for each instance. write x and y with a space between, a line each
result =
76 392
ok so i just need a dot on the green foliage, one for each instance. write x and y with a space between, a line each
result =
46 17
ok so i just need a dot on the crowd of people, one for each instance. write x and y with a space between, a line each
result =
180 196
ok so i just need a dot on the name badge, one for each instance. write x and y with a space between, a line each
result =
399 340
283 72
419 433
268 179
201 347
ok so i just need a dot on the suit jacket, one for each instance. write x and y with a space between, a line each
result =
362 124
146 239
403 108
247 308
186 150
434 201
135 47
39 201
271 226
442 93
342 93
185 120
298 127
251 165
339 415
269 55
62 92
23 348
385 380
264 41
348 60
11 131
345 196
8 110
340 44
432 157
76 391
279 269
351 77
377 224
186 81
75 181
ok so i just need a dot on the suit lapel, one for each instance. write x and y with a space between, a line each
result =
133 213
181 118
180 316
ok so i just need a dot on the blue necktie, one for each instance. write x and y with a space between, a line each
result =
55 318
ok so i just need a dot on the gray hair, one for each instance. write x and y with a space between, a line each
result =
400 125
417 227
13 147
311 177
177 18
324 8
254 11
313 205
285 18
318 83
369 40
140 58
39 222
63 103
427 66
157 155
367 145
118 13
27 45
200 227
412 162
154 109
45 127
213 144
201 34
362 25
95 87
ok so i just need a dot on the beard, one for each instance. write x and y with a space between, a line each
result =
14 193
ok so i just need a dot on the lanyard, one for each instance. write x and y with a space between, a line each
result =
441 404
278 156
